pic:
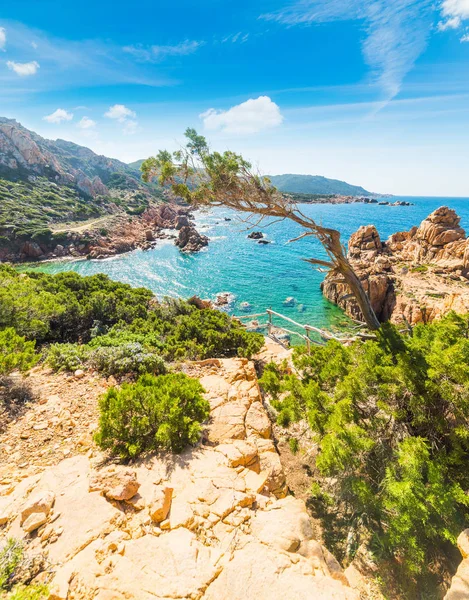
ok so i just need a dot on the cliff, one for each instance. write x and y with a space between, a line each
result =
414 276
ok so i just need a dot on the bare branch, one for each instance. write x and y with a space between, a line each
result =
317 261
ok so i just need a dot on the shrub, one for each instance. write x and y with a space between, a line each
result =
68 308
163 412
11 556
390 420
29 592
15 352
67 357
128 358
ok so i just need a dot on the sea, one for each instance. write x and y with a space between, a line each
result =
259 276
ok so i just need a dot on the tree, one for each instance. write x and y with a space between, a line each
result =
202 177
390 420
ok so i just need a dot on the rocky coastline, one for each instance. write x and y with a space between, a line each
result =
120 234
415 276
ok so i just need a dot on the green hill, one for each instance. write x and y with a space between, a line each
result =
316 184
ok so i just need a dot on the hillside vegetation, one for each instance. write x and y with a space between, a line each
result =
390 418
45 182
116 329
316 184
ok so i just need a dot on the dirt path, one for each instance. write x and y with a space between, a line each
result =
82 225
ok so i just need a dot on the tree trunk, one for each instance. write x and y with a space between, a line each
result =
361 296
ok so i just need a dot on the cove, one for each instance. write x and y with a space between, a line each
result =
261 275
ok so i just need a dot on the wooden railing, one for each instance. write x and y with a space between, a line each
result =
307 329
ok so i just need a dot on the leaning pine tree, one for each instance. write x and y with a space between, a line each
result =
203 177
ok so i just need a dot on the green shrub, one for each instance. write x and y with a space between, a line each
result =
390 418
67 357
11 556
128 358
28 592
15 352
163 412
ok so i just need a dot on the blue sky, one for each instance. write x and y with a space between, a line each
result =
375 92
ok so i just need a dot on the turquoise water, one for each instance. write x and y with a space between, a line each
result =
261 275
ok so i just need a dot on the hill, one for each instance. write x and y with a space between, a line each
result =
45 182
311 185
316 184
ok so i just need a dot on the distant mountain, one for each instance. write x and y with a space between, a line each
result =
315 184
136 164
304 184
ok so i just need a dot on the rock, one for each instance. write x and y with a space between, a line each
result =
463 543
190 240
459 588
224 298
182 221
115 485
161 503
79 374
264 242
257 421
31 250
149 235
407 278
255 235
34 521
245 306
40 502
290 301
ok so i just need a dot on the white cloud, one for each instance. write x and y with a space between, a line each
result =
130 127
126 116
455 8
465 38
120 112
34 45
86 123
249 117
396 31
23 69
58 116
455 12
158 53
3 38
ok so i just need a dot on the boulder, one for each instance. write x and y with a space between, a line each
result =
161 503
190 240
40 502
115 485
255 235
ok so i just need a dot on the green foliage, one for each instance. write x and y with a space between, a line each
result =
67 357
163 412
390 419
127 358
113 327
28 592
11 556
28 208
15 352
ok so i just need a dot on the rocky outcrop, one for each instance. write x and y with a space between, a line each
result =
414 276
214 522
190 240
459 588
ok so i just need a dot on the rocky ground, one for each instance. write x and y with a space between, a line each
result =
115 234
214 522
415 276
